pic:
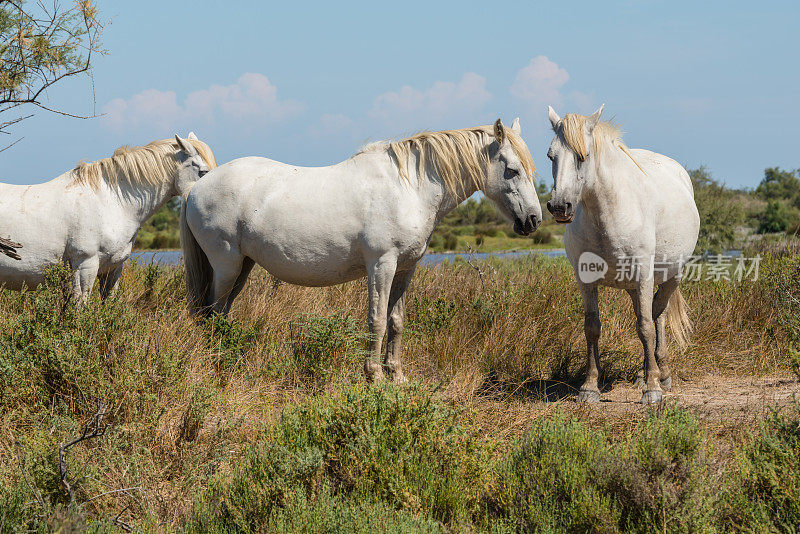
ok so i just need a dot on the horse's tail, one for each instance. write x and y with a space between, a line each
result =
678 318
199 274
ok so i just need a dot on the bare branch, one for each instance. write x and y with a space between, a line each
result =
9 146
94 429
8 247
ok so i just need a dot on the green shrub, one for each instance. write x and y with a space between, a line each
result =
436 243
548 482
763 491
450 241
663 477
428 316
565 476
231 339
320 344
381 449
542 236
777 217
779 276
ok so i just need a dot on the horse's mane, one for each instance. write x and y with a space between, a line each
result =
455 154
571 129
152 164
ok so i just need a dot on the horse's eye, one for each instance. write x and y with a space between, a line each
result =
511 173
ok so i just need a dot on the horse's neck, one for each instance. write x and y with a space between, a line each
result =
140 202
445 201
431 189
604 200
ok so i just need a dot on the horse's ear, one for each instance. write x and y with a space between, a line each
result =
499 131
554 118
593 119
515 126
186 146
192 137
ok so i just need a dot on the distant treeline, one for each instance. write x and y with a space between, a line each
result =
729 218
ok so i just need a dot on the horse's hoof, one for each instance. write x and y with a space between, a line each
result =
399 379
653 396
373 373
639 382
588 396
666 384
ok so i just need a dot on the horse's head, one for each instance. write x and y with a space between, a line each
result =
509 182
192 165
571 153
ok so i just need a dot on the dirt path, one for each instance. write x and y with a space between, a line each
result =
715 396
727 405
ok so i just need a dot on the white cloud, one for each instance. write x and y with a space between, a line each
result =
441 100
252 99
540 82
158 107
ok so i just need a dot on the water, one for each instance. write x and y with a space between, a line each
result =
174 257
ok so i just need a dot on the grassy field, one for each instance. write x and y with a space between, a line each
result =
263 423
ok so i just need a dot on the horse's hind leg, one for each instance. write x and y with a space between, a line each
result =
660 305
247 266
642 298
397 309
380 274
227 269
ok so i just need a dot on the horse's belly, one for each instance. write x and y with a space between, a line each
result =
595 261
311 267
16 274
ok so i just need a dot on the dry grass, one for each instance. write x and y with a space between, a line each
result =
502 342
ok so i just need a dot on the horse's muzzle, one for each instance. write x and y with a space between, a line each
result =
526 227
562 213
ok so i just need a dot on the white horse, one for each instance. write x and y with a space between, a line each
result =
632 224
371 215
88 217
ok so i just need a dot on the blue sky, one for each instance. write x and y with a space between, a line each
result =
708 83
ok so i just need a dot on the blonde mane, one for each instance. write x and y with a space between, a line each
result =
148 165
571 128
459 156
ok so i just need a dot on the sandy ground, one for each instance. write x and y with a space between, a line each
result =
726 405
714 397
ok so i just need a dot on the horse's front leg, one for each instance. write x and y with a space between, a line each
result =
642 298
397 309
380 274
83 279
590 391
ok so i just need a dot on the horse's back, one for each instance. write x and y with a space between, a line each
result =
305 225
671 194
662 170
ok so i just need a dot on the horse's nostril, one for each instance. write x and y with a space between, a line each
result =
549 207
569 207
